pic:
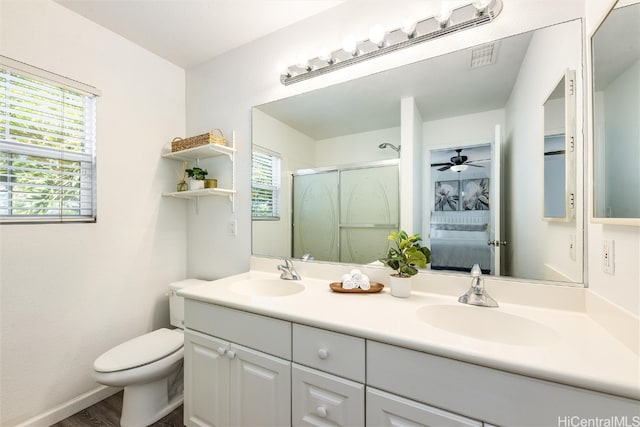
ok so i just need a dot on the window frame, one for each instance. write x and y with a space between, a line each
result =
275 187
52 160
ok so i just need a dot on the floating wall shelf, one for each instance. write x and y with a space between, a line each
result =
195 154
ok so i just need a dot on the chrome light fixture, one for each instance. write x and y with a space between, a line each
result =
380 42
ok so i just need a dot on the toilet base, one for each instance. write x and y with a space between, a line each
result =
144 404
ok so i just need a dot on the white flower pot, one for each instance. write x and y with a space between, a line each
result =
401 286
196 184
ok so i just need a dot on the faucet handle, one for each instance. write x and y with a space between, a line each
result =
476 271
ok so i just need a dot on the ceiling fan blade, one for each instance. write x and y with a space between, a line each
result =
479 160
474 166
439 164
444 168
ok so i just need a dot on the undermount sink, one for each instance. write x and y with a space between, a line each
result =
489 324
266 287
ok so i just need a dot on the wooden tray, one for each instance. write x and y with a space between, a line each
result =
375 287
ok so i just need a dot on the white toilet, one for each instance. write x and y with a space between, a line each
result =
149 367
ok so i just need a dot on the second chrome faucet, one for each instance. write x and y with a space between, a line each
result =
476 295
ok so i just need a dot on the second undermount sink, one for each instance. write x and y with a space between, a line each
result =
489 324
266 287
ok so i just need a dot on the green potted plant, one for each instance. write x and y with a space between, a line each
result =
405 255
196 177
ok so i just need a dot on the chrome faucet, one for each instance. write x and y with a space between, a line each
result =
288 271
476 295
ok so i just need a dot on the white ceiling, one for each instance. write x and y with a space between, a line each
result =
190 32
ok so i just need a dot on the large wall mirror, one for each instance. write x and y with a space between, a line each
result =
616 109
476 132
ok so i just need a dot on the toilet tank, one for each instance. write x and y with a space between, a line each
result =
176 303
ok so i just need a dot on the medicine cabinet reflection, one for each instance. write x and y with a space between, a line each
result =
559 151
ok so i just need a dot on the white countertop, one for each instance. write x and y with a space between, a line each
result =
578 351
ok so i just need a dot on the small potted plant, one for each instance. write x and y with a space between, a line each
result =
196 177
404 256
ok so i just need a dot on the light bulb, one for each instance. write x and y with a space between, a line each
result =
481 5
350 45
302 61
409 27
443 16
283 69
325 55
376 35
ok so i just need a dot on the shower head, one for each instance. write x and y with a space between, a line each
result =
386 144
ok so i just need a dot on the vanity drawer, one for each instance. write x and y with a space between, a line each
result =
320 399
328 351
272 336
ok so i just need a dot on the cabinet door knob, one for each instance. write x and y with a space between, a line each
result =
322 411
231 354
222 351
323 353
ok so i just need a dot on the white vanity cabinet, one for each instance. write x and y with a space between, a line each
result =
486 394
329 390
228 383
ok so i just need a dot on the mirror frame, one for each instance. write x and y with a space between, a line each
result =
569 147
591 130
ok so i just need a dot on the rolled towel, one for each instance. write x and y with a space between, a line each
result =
365 284
349 284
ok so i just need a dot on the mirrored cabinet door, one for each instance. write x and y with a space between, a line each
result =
616 113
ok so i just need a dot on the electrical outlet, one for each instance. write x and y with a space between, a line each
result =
233 227
608 256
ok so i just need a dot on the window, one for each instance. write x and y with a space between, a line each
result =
265 185
47 148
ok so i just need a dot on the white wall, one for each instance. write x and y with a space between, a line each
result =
273 237
622 287
551 51
357 147
71 291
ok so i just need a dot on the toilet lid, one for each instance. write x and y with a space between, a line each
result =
140 351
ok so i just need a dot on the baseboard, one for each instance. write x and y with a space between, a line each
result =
69 408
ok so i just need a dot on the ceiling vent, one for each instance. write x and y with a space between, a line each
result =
484 55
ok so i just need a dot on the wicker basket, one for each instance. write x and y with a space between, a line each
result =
179 144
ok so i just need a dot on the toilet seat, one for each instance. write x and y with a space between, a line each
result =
140 351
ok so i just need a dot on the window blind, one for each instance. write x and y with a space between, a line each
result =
47 150
265 185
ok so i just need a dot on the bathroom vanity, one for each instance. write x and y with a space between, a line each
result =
264 351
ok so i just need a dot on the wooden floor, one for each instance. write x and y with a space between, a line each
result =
107 413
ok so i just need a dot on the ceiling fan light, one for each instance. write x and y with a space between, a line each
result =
459 168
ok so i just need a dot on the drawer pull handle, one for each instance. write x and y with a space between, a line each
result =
323 353
231 354
322 411
222 351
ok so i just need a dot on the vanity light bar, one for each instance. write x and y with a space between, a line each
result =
478 13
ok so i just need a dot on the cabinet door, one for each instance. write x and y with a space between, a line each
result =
206 381
321 399
384 409
260 389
